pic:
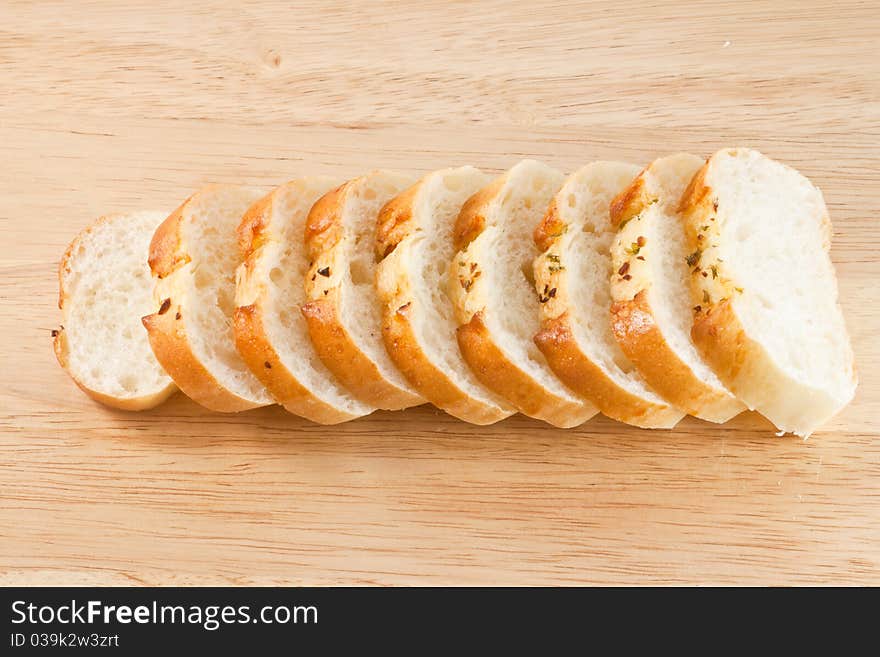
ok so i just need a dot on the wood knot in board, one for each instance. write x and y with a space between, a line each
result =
272 58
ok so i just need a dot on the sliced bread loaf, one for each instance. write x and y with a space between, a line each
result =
343 311
651 316
415 243
193 257
765 292
105 288
270 332
575 337
492 287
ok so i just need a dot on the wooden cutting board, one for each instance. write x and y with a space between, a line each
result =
109 108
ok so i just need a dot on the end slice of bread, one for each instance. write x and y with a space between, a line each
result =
575 337
764 289
492 287
193 258
270 332
105 287
651 314
343 311
415 243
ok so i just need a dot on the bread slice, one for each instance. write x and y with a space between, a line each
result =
270 332
575 336
105 287
343 312
492 287
193 257
765 292
651 315
414 241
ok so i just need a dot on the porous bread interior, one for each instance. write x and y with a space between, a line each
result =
582 204
108 289
513 313
208 282
429 252
281 264
774 239
361 308
670 296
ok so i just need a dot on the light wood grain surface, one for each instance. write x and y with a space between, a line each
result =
105 107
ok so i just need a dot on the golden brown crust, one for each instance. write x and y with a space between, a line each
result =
696 194
715 322
60 346
166 250
721 340
394 221
550 227
471 220
630 201
574 369
323 225
251 232
643 343
429 380
492 367
264 362
350 365
63 268
168 339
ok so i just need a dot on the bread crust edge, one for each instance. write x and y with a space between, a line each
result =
394 222
635 330
172 349
350 365
433 384
497 372
262 359
557 342
471 220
